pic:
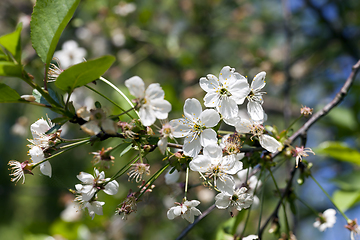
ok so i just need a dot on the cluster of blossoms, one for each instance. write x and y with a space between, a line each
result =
212 153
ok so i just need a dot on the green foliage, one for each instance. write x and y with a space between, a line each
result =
83 73
346 199
339 151
10 69
7 94
48 21
12 43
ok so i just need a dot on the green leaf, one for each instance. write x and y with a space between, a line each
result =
40 99
12 43
83 73
348 181
126 149
7 94
343 117
10 69
345 200
48 21
339 151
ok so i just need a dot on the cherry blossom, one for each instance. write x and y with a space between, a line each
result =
301 152
166 132
186 210
91 184
217 166
255 98
195 126
70 54
151 101
226 92
325 220
238 198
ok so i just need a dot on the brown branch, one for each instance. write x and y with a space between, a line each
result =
302 132
189 227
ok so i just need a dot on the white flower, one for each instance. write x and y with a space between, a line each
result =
37 155
186 210
232 145
226 92
257 130
70 54
38 130
138 170
91 184
171 178
94 207
166 132
255 97
151 101
195 127
326 220
98 122
301 152
251 237
18 170
214 165
238 198
251 182
71 213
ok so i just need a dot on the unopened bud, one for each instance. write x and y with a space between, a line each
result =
29 98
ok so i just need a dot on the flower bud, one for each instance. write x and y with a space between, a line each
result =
29 98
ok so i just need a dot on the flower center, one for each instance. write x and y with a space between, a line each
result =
257 130
225 92
234 198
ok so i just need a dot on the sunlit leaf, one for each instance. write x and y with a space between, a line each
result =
12 43
7 94
83 73
10 69
339 151
345 200
48 21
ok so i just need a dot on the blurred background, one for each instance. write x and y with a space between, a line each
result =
306 47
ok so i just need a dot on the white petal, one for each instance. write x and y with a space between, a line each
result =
211 99
239 91
87 196
209 85
243 126
191 148
91 128
225 184
174 212
112 187
232 165
200 163
136 86
192 203
171 178
86 178
259 81
147 115
225 74
154 91
227 108
45 168
162 144
255 111
209 117
192 109
208 136
269 143
179 128
36 154
222 201
213 151
161 108
109 126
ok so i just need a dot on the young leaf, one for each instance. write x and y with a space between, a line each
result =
7 94
126 149
339 151
10 69
83 73
12 43
48 20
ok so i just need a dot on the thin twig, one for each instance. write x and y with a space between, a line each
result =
302 133
188 228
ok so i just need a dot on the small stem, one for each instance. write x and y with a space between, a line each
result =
308 206
115 104
287 130
282 203
74 144
153 178
186 182
125 168
120 92
342 213
225 132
